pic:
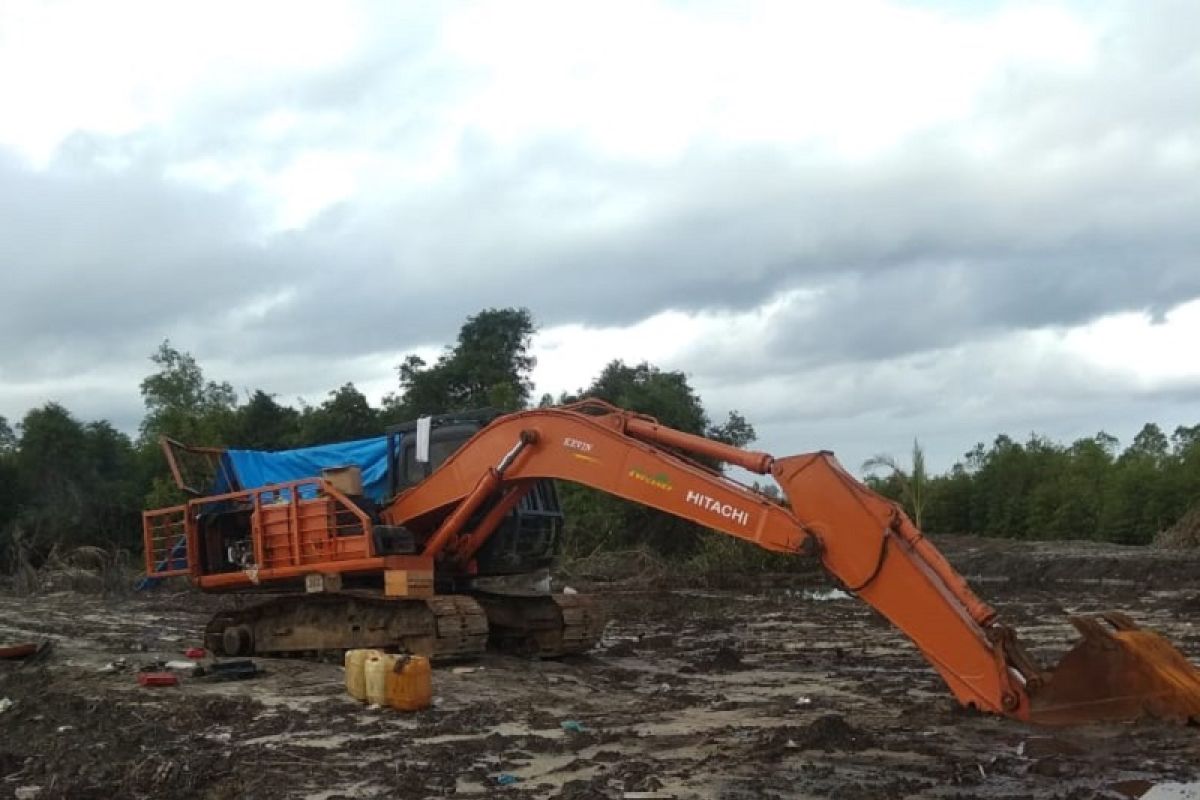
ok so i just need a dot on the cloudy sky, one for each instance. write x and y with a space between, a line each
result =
855 222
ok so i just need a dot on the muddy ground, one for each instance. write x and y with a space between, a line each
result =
769 690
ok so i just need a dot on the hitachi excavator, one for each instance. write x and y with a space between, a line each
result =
436 558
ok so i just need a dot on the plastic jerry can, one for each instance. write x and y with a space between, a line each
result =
409 683
375 670
356 677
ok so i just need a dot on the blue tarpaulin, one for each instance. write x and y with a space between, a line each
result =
255 468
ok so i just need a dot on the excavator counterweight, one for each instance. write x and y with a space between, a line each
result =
443 520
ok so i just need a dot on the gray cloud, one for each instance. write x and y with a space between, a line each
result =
1083 204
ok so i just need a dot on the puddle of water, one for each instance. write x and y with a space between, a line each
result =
504 729
827 594
1174 791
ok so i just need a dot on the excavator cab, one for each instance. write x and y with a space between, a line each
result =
530 536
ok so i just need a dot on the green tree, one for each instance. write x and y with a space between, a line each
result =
489 366
1081 482
1150 444
8 439
645 388
346 414
263 424
912 483
735 430
10 491
948 505
1138 501
78 482
181 404
999 504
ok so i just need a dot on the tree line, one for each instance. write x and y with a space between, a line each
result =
1040 489
66 482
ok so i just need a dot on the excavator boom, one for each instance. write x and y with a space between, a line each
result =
864 541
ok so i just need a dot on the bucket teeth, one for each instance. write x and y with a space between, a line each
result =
1093 631
1120 620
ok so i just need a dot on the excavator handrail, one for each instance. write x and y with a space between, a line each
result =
865 541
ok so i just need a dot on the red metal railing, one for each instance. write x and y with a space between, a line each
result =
166 543
295 524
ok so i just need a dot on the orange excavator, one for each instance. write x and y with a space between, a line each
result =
412 572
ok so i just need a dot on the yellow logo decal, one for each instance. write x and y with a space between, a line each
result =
660 480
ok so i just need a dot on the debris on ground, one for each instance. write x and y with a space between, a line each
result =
828 701
19 650
821 595
229 670
157 679
1173 791
1184 534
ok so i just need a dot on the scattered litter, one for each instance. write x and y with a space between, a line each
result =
232 670
437 701
569 590
801 702
186 666
504 779
26 792
464 670
157 679
827 594
5 704
19 650
572 726
196 653
982 774
64 728
114 666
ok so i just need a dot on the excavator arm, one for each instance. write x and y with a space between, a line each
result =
864 541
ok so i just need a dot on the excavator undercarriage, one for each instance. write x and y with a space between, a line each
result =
484 506
446 627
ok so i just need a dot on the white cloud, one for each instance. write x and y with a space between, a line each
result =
856 222
128 65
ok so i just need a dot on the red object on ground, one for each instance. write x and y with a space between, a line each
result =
157 679
19 650
194 652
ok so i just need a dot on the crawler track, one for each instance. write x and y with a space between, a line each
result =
543 626
444 627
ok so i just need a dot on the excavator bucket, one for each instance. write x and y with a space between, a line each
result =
1117 672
